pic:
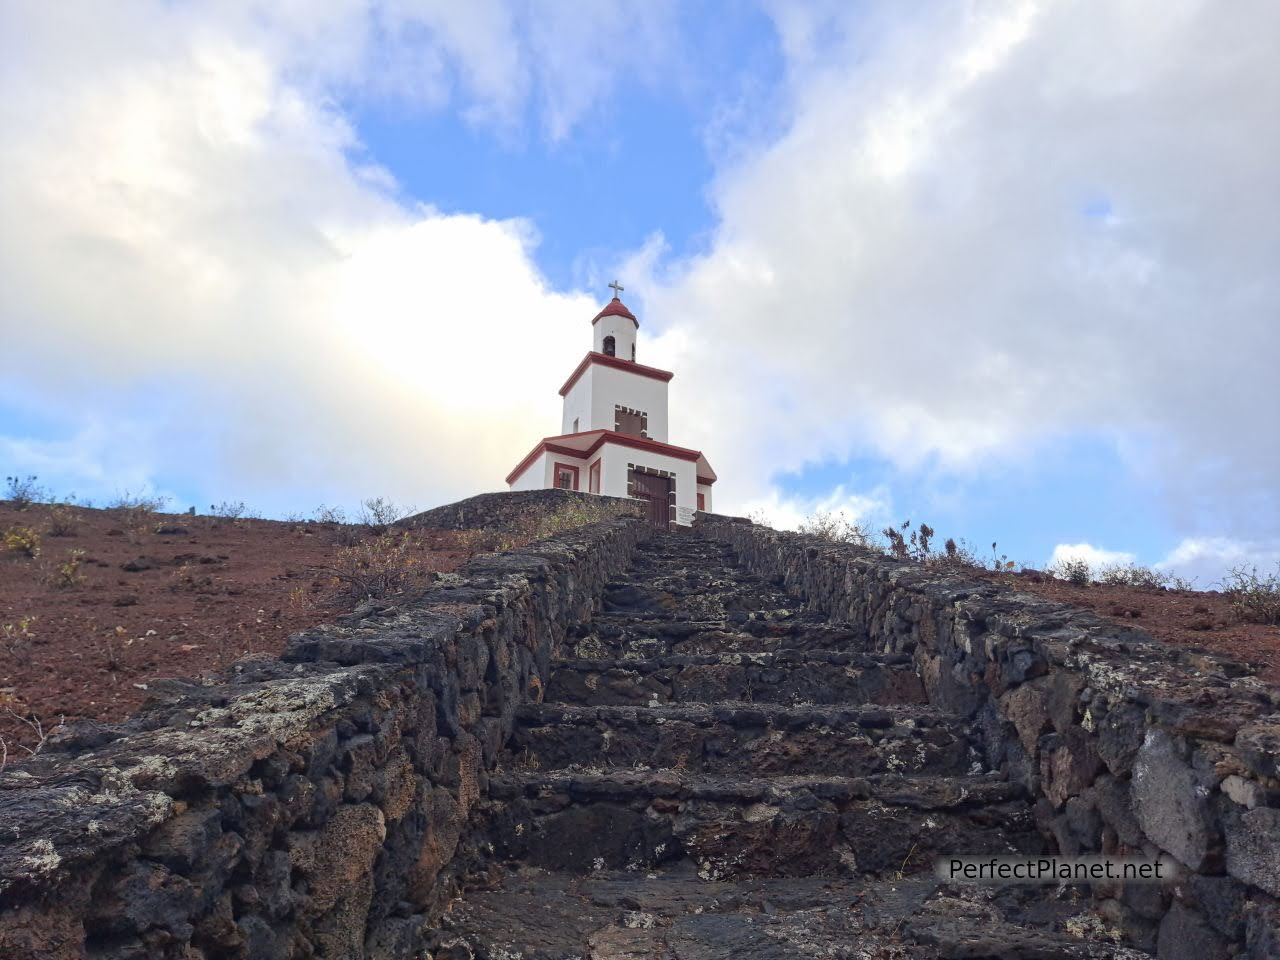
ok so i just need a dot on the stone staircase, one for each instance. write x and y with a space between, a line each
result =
717 773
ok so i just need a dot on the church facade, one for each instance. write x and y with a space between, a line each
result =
613 431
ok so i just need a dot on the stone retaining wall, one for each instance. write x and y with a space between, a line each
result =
1131 747
314 805
508 510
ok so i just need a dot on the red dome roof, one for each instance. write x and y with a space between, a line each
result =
616 308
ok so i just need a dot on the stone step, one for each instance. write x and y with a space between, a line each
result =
609 637
785 676
706 605
730 827
676 623
742 738
531 914
653 589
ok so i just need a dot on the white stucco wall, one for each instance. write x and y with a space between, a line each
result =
623 332
614 472
541 473
611 386
577 404
535 477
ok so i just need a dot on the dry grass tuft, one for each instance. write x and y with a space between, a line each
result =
1254 598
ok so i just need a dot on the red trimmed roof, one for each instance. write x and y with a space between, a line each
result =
584 445
618 364
616 308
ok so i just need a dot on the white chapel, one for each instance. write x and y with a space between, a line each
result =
613 432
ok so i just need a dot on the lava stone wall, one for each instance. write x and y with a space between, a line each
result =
1130 747
508 510
314 805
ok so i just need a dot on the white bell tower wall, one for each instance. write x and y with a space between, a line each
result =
612 388
622 330
576 417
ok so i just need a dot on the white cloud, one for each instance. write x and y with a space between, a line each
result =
578 54
1096 557
489 59
1202 561
183 239
914 268
918 268
1206 560
871 509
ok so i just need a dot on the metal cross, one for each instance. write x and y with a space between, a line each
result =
617 288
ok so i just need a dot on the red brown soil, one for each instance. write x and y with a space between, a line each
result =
162 596
1190 618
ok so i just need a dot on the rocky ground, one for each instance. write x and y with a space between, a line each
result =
1192 618
155 595
714 773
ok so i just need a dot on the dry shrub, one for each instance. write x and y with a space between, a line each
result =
915 547
836 528
63 521
14 636
377 568
901 541
136 511
1075 571
481 540
325 514
306 597
127 502
1254 598
22 492
379 513
958 553
67 574
539 525
34 731
1132 575
333 521
23 541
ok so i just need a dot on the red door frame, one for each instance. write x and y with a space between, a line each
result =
593 477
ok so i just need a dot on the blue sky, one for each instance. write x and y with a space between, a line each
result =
591 198
1003 267
637 165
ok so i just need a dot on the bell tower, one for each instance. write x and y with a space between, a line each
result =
615 328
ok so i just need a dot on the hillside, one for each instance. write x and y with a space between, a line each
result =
1191 618
118 598
114 599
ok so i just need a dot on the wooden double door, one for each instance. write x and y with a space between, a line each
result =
656 492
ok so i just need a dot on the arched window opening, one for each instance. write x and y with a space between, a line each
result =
608 346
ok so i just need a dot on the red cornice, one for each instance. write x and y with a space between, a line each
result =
707 480
550 444
644 443
607 361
